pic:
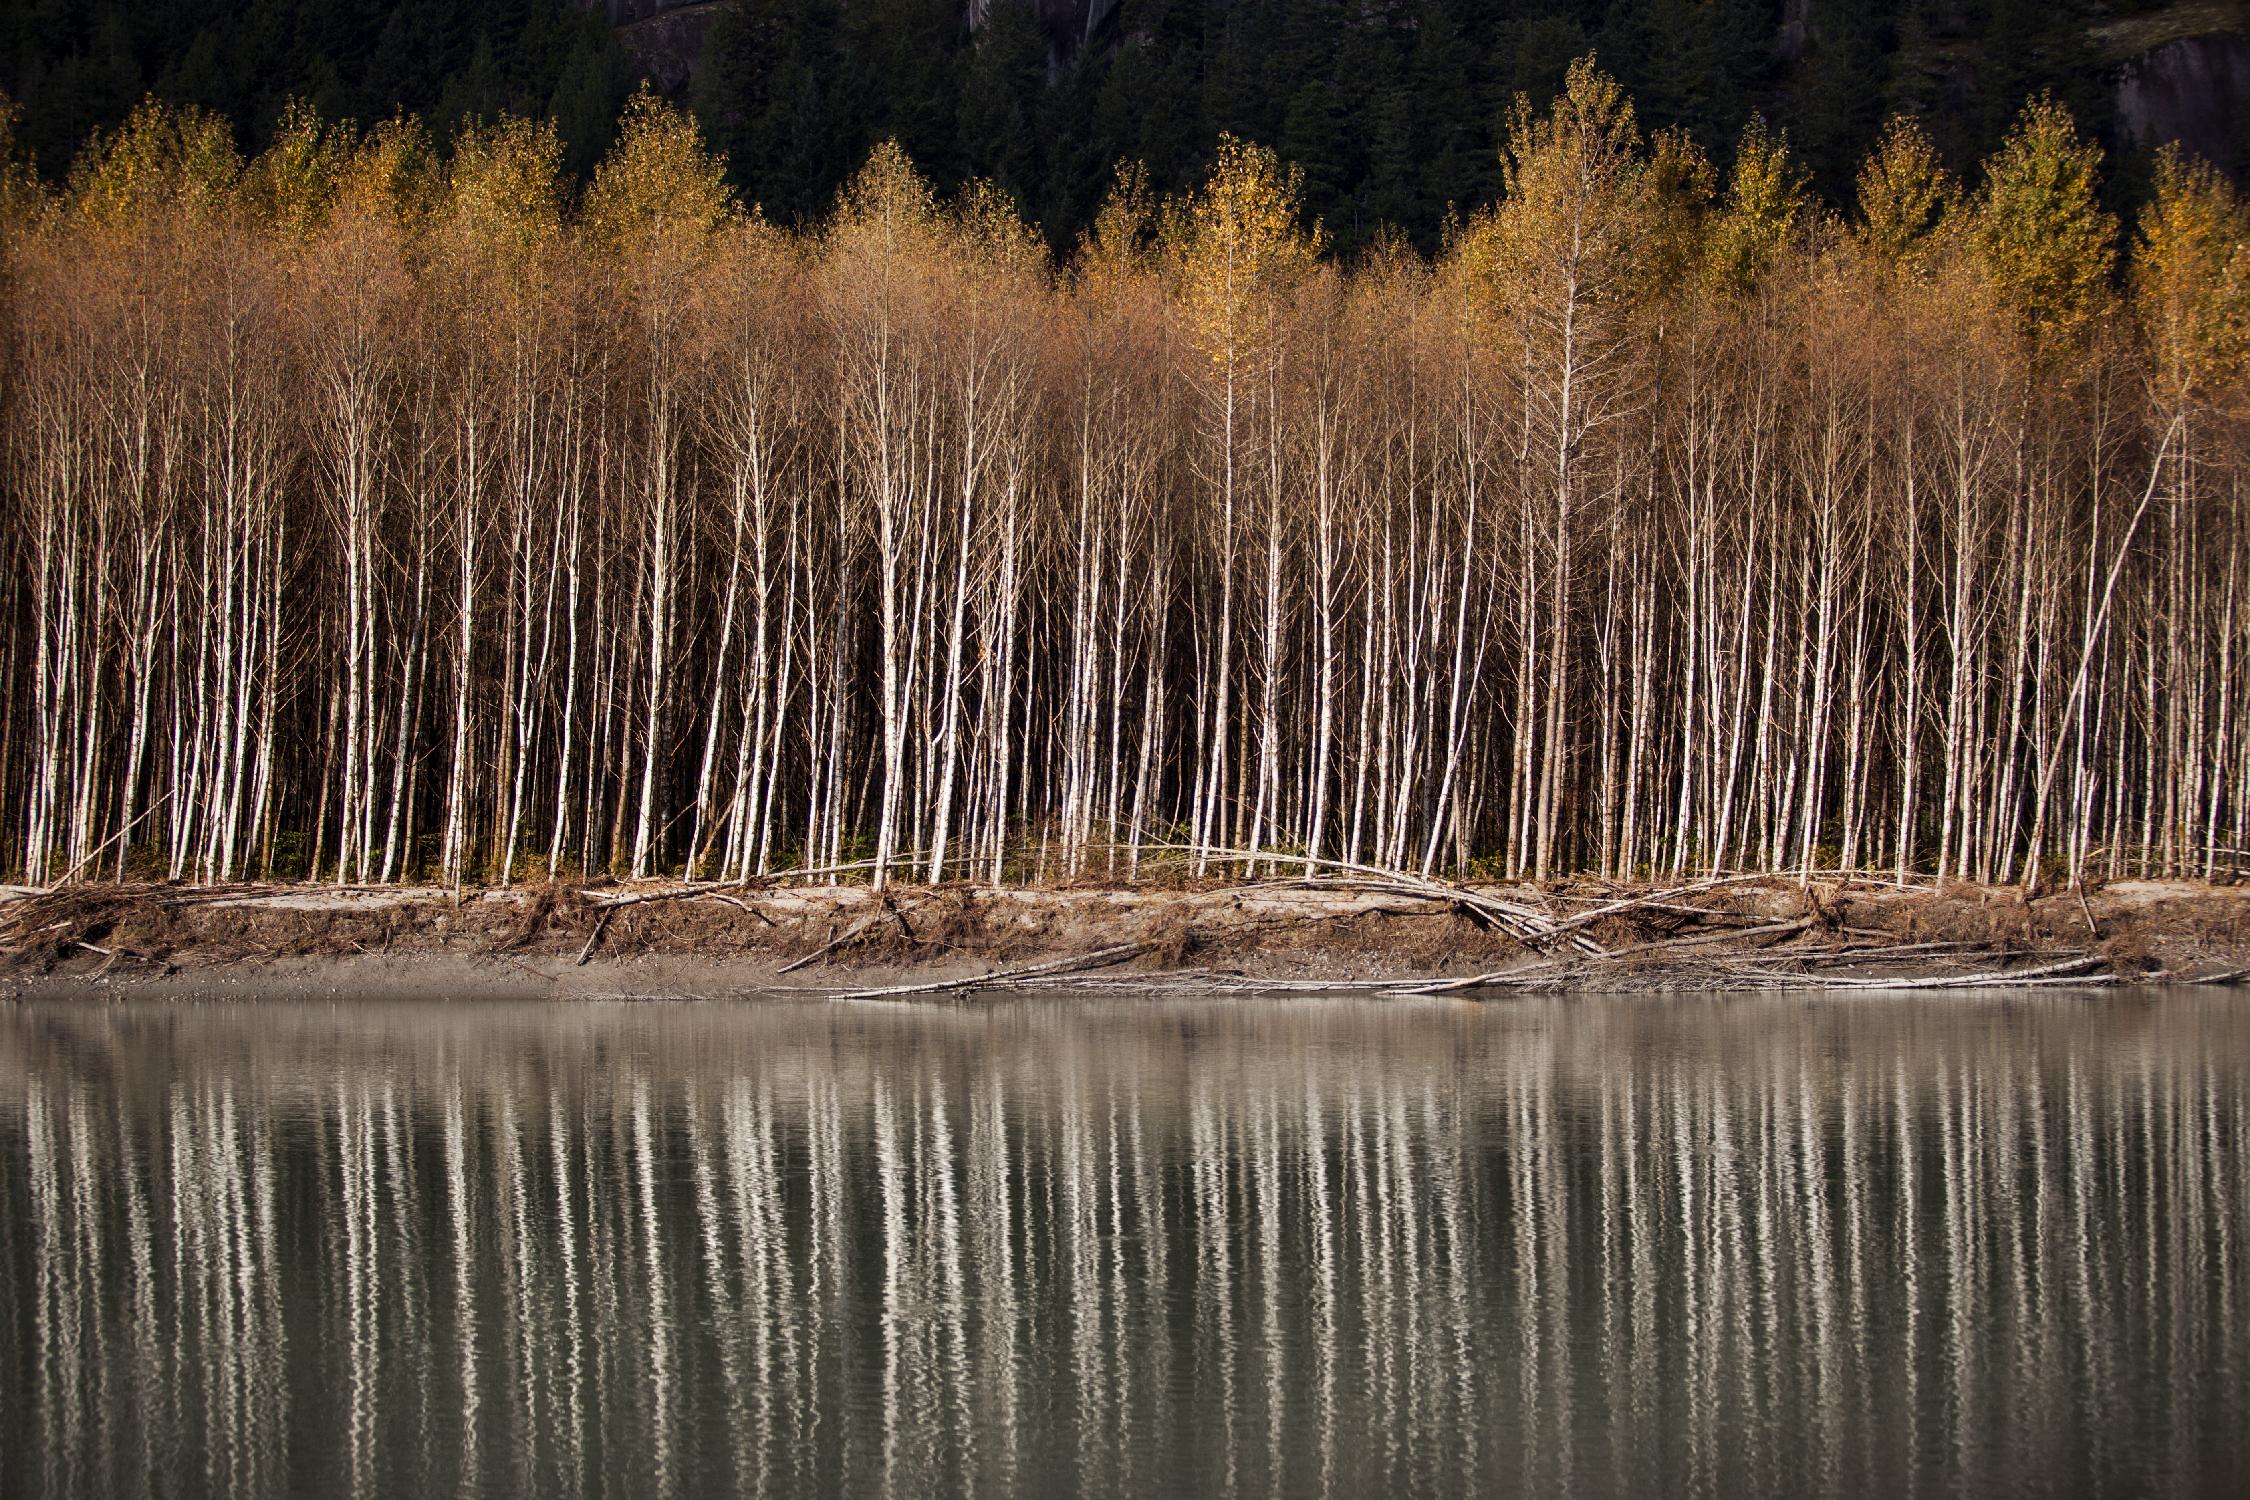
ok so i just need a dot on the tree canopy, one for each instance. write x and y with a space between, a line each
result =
1393 112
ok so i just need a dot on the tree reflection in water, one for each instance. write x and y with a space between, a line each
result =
1713 1248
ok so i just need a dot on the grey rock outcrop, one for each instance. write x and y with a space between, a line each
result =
2196 91
666 36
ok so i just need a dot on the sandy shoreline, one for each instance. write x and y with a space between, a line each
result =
1373 932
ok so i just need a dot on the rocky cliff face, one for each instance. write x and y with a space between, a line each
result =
1072 24
2196 91
666 36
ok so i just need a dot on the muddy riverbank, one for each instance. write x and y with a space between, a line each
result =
1370 930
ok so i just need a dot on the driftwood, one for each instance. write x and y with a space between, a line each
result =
595 936
2078 968
1692 939
2224 976
739 903
1522 976
1664 899
1245 984
1741 971
723 892
905 860
821 952
1706 939
689 890
1528 925
670 893
1050 969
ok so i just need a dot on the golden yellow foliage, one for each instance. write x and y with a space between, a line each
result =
1575 211
992 237
503 185
387 174
174 162
1680 184
1122 240
652 470
1765 196
656 200
1236 248
295 179
2191 282
886 207
2044 240
1905 194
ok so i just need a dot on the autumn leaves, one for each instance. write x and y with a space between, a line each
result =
377 516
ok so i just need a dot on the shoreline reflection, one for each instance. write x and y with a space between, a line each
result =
1583 1246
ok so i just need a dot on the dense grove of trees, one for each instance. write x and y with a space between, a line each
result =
375 516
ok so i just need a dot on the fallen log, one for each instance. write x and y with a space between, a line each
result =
821 952
2076 968
1658 900
595 936
1528 975
1049 969
1532 927
2224 976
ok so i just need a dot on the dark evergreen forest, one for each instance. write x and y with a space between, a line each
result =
1392 108
75 67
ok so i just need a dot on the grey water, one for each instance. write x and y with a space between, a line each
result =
1734 1247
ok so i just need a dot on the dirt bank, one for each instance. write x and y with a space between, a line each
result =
1349 930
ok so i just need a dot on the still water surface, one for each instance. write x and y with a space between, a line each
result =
1751 1247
